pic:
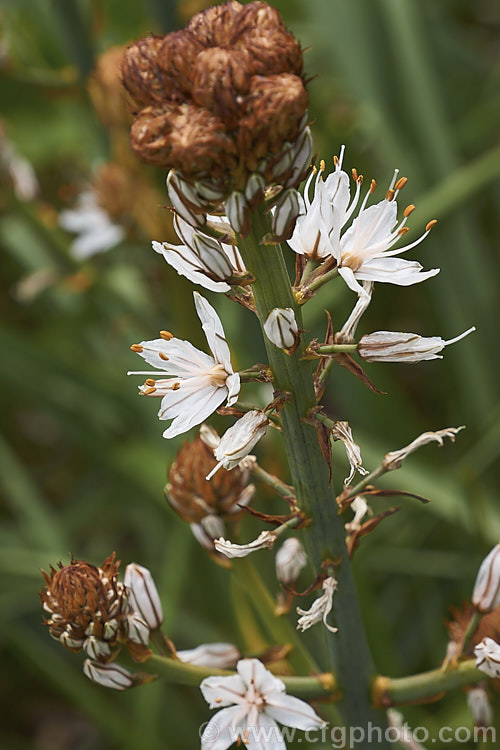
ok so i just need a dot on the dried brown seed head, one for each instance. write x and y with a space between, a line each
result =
142 75
177 58
221 77
272 50
215 26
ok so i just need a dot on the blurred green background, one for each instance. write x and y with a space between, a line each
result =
412 84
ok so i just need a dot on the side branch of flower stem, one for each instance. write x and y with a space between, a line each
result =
280 487
418 687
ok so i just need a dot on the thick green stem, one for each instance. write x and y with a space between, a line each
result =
334 348
427 684
349 655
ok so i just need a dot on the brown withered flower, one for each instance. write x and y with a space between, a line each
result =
219 101
206 505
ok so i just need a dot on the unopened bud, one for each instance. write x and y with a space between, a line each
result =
143 594
108 675
137 629
238 212
97 649
285 214
238 440
290 560
142 75
487 655
388 346
486 592
211 655
281 327
480 707
254 189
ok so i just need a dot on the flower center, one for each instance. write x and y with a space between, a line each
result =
217 376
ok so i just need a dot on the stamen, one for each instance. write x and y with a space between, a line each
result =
403 230
373 186
431 224
401 183
149 391
163 356
137 348
408 210
166 335
176 386
218 700
355 175
394 178
150 382
322 165
462 335
341 157
336 161
389 196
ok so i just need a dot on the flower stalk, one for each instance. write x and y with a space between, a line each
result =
349 655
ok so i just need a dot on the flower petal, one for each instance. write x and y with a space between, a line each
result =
214 332
223 729
189 406
263 733
394 271
253 672
183 359
224 691
292 712
186 263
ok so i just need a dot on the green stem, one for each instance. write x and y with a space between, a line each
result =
305 292
285 490
349 655
427 684
334 348
180 673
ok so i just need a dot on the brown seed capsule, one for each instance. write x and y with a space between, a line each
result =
221 77
215 26
274 110
142 75
177 58
84 601
272 50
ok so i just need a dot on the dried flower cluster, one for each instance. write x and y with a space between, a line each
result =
220 100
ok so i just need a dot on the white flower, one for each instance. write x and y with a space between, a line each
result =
252 702
342 431
394 459
387 346
487 655
212 655
361 509
199 382
320 608
486 593
480 707
143 595
201 259
96 232
290 560
348 330
238 440
137 628
108 675
363 252
281 327
265 540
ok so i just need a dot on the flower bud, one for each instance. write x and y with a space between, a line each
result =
285 214
238 440
177 57
211 655
281 327
487 655
388 346
238 212
290 560
137 629
143 595
97 649
215 26
108 675
486 592
480 707
221 77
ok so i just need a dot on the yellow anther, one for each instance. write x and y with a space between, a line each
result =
389 196
166 335
149 391
403 230
137 348
408 210
163 356
176 386
150 382
355 175
373 186
335 160
314 169
401 183
218 700
322 165
430 225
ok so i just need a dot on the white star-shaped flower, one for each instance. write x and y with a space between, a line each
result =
252 702
96 231
197 383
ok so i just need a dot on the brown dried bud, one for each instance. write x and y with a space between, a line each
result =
220 78
215 26
183 137
142 75
105 88
274 111
177 58
192 496
272 50
258 15
84 602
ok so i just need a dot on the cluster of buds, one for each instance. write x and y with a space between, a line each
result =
222 104
91 610
206 505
